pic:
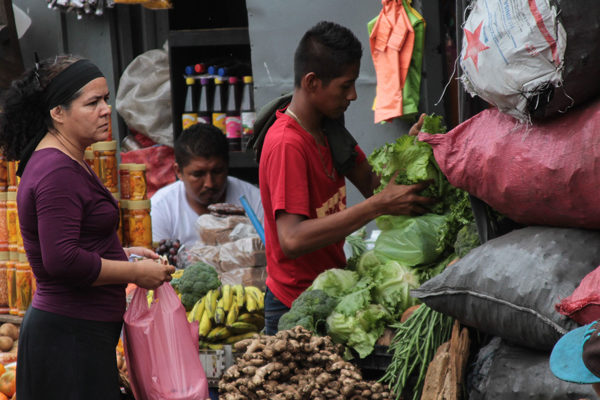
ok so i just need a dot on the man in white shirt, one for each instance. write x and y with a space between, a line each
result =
201 165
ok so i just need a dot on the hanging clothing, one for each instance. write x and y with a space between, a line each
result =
411 93
392 41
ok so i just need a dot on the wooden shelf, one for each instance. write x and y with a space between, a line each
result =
209 37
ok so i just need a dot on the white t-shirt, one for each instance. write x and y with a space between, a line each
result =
173 218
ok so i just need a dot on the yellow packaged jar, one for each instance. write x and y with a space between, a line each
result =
3 173
11 176
120 227
12 218
88 156
137 182
105 160
3 224
124 180
140 224
11 280
23 278
124 211
4 309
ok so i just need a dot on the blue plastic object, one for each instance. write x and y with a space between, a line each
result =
253 218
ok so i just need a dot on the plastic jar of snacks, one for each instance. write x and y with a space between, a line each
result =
137 182
3 225
11 176
105 162
3 173
11 279
124 211
4 309
88 156
124 180
12 219
140 224
23 279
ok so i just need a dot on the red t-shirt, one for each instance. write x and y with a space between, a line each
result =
293 177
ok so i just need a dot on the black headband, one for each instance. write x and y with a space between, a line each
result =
62 87
68 82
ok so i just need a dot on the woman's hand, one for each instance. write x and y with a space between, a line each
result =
151 274
140 251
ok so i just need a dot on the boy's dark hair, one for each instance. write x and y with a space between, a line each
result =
326 49
200 140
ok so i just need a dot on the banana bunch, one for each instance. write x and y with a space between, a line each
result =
228 314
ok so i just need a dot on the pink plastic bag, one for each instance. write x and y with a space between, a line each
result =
583 305
547 173
161 348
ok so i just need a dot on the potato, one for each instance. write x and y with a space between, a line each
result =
6 343
10 330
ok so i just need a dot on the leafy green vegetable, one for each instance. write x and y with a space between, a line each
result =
413 348
309 310
433 124
195 282
418 240
359 331
466 239
415 163
367 261
392 285
335 282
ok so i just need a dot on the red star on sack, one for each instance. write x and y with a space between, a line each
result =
474 45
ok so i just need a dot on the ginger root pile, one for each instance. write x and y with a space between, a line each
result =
295 365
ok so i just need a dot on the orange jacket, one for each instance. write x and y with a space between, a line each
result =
392 41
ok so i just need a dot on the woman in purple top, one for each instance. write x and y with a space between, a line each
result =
68 221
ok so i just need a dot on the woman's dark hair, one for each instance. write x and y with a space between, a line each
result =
326 49
200 140
23 114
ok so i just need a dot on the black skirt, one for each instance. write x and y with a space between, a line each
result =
67 358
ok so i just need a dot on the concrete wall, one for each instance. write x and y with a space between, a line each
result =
277 25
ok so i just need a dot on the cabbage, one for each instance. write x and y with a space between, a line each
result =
360 331
392 285
419 240
335 282
367 261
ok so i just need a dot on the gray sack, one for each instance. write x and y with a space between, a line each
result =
508 286
507 372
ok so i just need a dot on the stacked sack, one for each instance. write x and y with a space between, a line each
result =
228 242
535 166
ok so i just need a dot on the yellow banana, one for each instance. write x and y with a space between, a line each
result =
240 294
215 346
199 310
258 295
232 315
237 338
252 318
193 312
220 312
227 297
210 305
251 304
243 327
217 334
205 325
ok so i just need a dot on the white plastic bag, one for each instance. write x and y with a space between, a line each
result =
511 52
144 96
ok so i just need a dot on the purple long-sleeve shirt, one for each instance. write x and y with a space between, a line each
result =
68 222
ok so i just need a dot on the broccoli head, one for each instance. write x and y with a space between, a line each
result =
310 310
196 281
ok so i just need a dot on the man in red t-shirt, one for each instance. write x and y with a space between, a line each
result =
303 195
